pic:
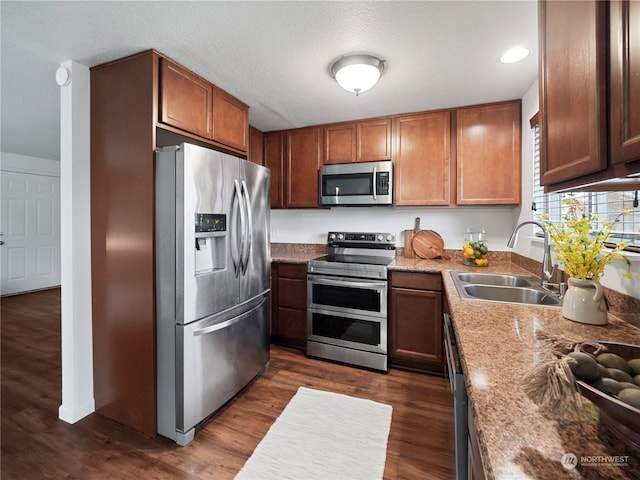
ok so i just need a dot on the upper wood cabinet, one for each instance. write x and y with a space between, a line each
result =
624 121
230 120
422 159
340 143
488 154
373 140
194 106
362 141
589 91
274 160
302 160
256 146
185 99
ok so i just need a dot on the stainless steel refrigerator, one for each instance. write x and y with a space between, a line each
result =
212 282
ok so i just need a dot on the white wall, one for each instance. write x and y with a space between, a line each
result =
311 226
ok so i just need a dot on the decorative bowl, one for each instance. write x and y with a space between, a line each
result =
621 419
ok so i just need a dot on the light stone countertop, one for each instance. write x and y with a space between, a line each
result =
498 345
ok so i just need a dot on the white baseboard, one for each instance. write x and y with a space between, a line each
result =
72 415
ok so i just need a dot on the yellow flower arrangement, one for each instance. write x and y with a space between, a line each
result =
579 247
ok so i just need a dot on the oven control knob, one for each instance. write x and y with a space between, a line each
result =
380 238
340 236
389 238
332 236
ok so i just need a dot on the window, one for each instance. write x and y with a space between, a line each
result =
607 205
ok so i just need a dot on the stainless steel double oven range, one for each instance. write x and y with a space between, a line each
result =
347 314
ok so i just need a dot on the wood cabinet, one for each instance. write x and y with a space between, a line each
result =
589 91
230 120
302 160
488 154
422 159
194 106
340 143
416 337
274 160
256 146
362 141
138 103
123 137
185 99
373 140
624 78
289 304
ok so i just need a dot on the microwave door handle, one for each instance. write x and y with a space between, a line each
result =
375 193
339 283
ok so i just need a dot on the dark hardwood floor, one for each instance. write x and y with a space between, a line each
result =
35 444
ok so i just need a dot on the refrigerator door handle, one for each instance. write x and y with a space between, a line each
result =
243 226
233 232
227 323
249 230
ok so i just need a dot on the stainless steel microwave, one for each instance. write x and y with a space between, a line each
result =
366 183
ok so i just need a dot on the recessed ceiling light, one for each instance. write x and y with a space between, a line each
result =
514 55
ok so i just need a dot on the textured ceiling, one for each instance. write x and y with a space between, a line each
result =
274 56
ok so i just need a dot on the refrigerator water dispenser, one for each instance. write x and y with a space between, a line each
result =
211 240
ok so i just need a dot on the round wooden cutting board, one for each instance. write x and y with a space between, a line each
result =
429 244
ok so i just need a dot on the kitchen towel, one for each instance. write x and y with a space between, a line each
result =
323 435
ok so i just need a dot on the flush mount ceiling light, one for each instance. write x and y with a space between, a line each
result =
514 55
357 73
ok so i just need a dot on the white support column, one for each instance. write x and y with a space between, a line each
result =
75 187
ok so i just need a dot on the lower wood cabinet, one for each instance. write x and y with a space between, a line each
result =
289 304
416 321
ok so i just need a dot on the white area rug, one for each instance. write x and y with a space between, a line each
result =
323 436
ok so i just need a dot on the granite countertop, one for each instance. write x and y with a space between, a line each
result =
498 345
296 253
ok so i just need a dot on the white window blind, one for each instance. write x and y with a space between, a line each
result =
607 205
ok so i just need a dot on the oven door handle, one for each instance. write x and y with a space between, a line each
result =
341 283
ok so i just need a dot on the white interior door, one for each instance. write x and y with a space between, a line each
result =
30 232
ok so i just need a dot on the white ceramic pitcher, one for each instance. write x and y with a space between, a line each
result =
584 302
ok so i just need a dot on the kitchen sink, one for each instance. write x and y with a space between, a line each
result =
496 279
503 288
511 294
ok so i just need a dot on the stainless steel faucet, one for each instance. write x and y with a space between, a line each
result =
548 269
